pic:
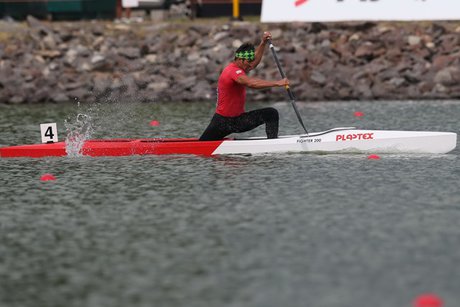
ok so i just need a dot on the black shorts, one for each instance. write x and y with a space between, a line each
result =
221 126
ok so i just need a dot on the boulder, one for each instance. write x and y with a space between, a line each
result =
175 61
448 76
318 78
130 52
59 97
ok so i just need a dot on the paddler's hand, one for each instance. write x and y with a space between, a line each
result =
267 35
283 82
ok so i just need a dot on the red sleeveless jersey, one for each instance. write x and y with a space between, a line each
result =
231 95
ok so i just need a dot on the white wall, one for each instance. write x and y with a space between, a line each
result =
349 10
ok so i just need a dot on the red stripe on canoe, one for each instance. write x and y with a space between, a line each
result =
116 147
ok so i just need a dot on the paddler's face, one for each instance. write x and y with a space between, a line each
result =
247 64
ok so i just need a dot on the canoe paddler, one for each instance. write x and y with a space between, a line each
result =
230 116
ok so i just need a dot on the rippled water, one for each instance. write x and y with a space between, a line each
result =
269 230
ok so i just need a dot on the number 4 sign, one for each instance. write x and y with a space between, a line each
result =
49 133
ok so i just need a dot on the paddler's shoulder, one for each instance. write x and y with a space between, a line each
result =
233 67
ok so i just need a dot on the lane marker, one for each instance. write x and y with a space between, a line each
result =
47 177
428 300
154 123
373 157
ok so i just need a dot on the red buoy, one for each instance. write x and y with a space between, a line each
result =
373 157
359 114
154 123
47 177
428 300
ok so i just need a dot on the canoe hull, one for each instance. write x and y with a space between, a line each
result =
337 140
349 141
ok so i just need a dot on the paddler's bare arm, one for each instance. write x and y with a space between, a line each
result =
260 50
259 83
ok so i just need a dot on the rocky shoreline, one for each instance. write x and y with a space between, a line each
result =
181 61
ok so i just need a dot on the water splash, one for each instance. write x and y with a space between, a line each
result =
78 132
108 115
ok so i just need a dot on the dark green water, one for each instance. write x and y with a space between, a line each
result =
270 230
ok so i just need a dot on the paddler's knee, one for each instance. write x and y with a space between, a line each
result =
271 115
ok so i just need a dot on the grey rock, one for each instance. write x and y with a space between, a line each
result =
365 50
318 78
33 22
100 62
207 43
49 42
4 96
83 51
448 76
97 59
73 85
59 97
98 30
158 86
397 82
187 82
439 88
363 90
101 82
193 57
220 36
151 58
413 40
276 34
70 56
173 62
77 94
17 99
202 91
130 52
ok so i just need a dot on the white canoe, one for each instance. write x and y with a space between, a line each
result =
347 140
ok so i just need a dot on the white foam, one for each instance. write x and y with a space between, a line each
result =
77 133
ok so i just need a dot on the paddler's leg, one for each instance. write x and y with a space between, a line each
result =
250 120
271 118
218 128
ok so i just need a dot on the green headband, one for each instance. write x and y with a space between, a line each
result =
248 55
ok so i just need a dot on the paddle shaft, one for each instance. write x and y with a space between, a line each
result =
283 75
